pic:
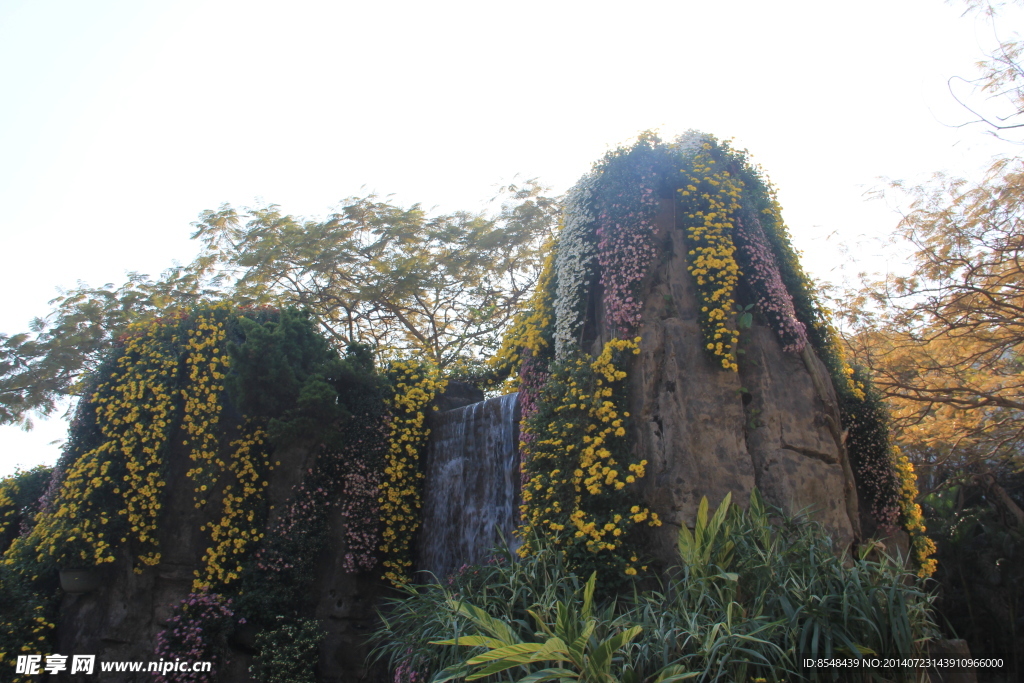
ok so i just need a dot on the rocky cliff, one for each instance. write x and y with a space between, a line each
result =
121 619
706 432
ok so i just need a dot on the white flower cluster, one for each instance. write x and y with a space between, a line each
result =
574 263
689 144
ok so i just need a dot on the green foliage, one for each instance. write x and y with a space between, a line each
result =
20 495
288 652
571 641
756 598
373 272
40 367
980 566
695 547
506 588
752 598
445 287
285 372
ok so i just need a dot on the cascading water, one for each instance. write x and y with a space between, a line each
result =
471 492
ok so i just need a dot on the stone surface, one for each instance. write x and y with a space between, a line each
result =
346 609
120 621
456 395
942 649
706 431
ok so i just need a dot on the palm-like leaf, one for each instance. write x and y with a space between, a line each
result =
571 642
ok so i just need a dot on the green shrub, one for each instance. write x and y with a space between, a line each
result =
755 593
288 653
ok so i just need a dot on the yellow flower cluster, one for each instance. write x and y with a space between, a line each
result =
712 197
526 336
136 420
118 483
238 528
205 366
77 532
201 390
8 511
572 464
113 492
38 638
401 495
922 548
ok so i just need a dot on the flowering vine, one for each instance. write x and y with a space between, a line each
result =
625 249
921 547
710 201
239 527
20 500
114 492
205 363
530 335
580 464
307 504
627 206
360 490
197 632
574 263
773 300
401 489
8 509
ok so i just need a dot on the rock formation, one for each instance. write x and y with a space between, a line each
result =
673 351
707 432
121 619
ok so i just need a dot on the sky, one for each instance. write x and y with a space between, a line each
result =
122 120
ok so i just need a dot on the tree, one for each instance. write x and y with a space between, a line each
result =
40 367
1001 82
946 341
443 287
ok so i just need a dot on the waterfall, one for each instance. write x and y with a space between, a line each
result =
471 492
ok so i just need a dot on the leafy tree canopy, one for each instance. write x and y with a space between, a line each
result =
995 97
945 338
945 341
443 287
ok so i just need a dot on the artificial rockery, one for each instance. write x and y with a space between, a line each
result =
245 490
585 368
228 473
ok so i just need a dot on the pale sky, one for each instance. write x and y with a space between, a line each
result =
121 120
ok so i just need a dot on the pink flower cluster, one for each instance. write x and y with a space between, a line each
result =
307 500
532 377
625 250
359 507
349 478
879 477
773 299
192 633
405 673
